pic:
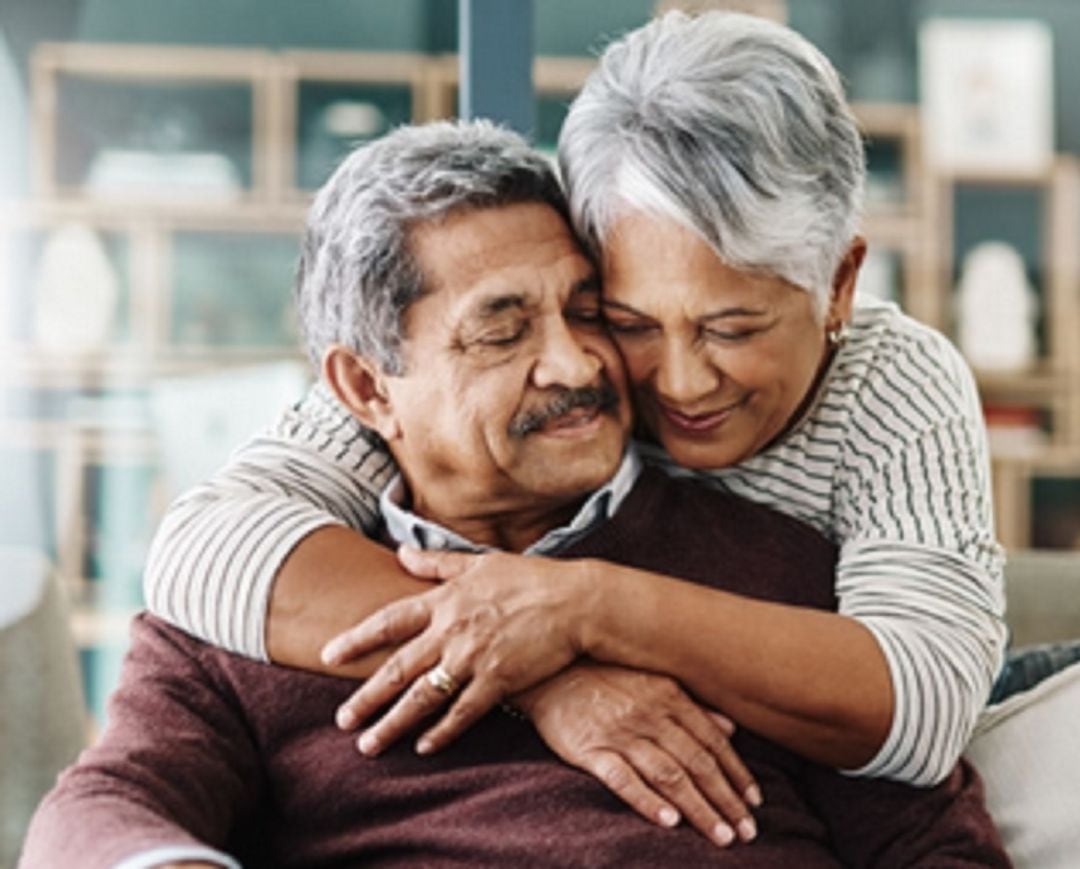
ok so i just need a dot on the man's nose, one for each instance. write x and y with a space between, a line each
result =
684 374
564 360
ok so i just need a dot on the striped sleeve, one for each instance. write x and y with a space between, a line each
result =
919 563
937 620
217 551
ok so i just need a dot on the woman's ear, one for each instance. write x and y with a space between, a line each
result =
361 385
842 298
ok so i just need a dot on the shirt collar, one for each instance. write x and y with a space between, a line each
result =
405 527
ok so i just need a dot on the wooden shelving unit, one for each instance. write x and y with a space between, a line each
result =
919 229
271 204
1052 384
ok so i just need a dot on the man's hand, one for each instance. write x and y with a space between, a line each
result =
650 743
501 625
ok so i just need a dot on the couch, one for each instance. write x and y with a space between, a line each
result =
43 720
1028 747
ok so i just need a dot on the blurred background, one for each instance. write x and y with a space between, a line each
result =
156 159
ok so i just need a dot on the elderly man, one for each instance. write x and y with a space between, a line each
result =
456 315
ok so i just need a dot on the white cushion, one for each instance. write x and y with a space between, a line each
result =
1027 750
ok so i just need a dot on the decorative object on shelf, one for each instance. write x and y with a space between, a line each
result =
996 309
128 173
1014 430
162 154
336 129
987 95
76 290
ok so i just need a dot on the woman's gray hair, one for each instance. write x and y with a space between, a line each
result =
357 275
732 126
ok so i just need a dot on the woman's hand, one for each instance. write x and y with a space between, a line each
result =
650 743
501 624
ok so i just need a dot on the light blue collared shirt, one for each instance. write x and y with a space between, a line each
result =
405 527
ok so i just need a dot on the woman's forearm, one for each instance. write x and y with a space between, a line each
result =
813 681
334 578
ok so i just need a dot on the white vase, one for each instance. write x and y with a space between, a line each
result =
996 309
76 291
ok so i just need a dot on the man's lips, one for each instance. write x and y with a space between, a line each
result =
699 423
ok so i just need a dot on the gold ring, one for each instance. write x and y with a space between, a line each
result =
438 678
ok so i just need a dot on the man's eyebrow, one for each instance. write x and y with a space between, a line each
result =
492 306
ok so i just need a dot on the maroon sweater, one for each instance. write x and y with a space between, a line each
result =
205 746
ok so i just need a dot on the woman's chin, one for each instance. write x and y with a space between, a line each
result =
700 454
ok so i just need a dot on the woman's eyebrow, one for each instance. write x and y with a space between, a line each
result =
735 311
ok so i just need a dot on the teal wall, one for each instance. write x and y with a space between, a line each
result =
400 25
872 42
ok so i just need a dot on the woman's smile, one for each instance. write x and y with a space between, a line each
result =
700 423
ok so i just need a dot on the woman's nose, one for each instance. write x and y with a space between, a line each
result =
684 375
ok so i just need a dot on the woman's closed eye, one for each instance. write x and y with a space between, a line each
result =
729 335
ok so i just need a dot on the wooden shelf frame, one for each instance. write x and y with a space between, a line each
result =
420 73
118 63
917 230
906 227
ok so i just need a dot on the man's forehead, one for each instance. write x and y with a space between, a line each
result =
478 262
486 300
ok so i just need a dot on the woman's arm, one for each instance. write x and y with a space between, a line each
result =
813 681
919 563
333 579
220 547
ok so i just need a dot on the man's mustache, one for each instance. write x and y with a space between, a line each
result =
602 397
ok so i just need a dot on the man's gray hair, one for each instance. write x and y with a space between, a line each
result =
357 274
732 126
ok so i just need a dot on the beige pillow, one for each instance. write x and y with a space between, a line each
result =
1027 750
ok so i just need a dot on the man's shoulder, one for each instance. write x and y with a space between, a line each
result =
688 528
674 499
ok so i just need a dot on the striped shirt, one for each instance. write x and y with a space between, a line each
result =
890 462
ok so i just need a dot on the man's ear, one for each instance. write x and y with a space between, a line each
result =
361 385
842 297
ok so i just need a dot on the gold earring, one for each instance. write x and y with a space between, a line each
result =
837 335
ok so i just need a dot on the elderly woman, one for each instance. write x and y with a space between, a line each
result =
716 171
